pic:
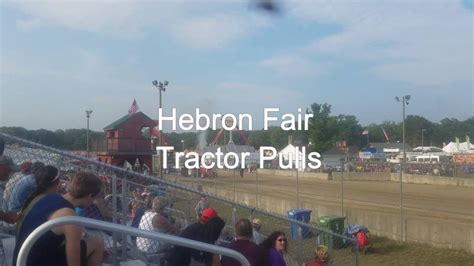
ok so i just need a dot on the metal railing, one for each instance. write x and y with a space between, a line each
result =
91 223
120 183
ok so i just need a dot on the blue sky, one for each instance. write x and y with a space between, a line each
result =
59 58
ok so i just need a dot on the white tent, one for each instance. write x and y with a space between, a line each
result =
462 147
428 149
295 154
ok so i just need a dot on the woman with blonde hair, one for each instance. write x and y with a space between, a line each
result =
321 254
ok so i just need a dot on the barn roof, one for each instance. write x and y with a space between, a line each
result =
119 122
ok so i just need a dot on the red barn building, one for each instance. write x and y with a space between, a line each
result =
124 141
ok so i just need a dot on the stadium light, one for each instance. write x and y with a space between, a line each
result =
404 101
161 86
88 115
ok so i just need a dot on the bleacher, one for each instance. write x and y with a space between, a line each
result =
121 187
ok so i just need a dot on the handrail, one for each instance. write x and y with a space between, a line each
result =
173 185
175 240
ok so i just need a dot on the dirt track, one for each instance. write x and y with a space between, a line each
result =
446 202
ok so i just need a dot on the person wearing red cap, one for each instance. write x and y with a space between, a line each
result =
206 230
208 214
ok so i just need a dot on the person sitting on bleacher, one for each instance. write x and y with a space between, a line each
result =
25 169
207 230
2 146
7 167
255 254
257 237
155 220
98 210
24 188
321 256
139 208
61 245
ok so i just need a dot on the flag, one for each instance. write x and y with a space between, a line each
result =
386 135
134 108
365 132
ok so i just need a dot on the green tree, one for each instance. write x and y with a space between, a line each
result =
348 129
278 137
322 128
413 126
259 138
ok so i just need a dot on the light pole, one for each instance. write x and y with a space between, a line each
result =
88 115
404 101
182 144
161 86
342 186
422 135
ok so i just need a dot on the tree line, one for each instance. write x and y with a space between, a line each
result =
325 129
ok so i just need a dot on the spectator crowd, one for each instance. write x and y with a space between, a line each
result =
34 193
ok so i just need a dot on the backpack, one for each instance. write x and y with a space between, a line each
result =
362 240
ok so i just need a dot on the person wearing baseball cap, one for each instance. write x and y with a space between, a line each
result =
208 214
200 231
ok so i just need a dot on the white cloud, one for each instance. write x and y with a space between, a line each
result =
214 30
292 66
189 22
256 95
28 24
109 18
421 43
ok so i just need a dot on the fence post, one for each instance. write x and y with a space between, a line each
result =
297 190
233 181
234 217
190 205
256 182
124 202
406 229
114 218
215 187
356 253
300 246
342 187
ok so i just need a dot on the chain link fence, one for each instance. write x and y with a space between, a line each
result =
129 198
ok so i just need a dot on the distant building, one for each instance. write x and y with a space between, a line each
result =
382 150
332 158
124 142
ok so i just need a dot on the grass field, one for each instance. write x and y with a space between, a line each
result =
382 251
389 252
